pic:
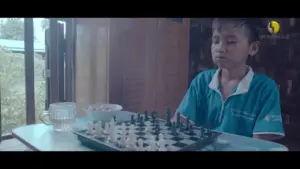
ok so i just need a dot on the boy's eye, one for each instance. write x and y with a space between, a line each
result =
231 42
215 41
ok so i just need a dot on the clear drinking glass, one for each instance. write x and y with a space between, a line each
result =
61 115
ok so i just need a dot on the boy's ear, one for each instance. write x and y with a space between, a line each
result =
254 48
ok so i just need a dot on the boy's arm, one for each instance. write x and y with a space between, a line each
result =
269 125
188 106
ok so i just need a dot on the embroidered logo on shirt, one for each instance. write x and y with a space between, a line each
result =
243 114
267 118
273 118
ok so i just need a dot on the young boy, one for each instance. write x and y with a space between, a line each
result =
234 99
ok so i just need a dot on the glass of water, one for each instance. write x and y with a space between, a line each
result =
61 115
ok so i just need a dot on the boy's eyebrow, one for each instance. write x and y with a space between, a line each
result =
227 36
231 36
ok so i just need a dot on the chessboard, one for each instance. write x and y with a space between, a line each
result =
144 133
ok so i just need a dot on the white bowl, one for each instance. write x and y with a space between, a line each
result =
103 112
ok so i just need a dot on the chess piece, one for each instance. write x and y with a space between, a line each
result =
174 132
131 128
187 123
138 118
140 145
191 130
181 129
142 122
122 142
90 128
123 128
202 132
177 120
106 128
169 123
161 136
98 129
153 145
115 118
132 120
162 145
148 126
146 116
153 116
157 130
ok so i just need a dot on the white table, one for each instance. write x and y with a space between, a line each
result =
41 137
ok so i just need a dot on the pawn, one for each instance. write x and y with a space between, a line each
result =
174 132
146 116
90 128
191 130
106 128
138 117
98 129
181 129
162 145
142 123
132 120
140 145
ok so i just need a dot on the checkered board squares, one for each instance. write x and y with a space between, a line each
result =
174 143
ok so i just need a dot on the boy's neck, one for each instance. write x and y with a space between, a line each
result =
236 73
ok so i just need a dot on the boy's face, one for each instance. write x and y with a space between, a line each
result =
230 46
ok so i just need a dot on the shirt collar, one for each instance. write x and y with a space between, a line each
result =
243 86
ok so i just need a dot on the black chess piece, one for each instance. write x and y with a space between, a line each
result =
153 116
142 122
202 131
138 118
177 120
191 130
115 118
187 123
169 123
146 115
181 129
157 130
208 132
174 132
132 120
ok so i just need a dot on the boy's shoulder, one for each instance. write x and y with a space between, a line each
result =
205 75
263 81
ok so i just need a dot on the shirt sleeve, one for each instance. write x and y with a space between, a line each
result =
269 120
188 106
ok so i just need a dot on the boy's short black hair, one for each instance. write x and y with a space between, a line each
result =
254 26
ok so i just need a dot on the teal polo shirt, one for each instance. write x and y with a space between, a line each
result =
253 107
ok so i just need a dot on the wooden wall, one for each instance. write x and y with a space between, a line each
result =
139 63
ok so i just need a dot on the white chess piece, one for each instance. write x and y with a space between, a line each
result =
112 132
162 145
112 122
161 136
106 128
149 148
153 145
122 141
113 136
90 128
140 145
123 128
98 129
131 128
131 143
148 127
